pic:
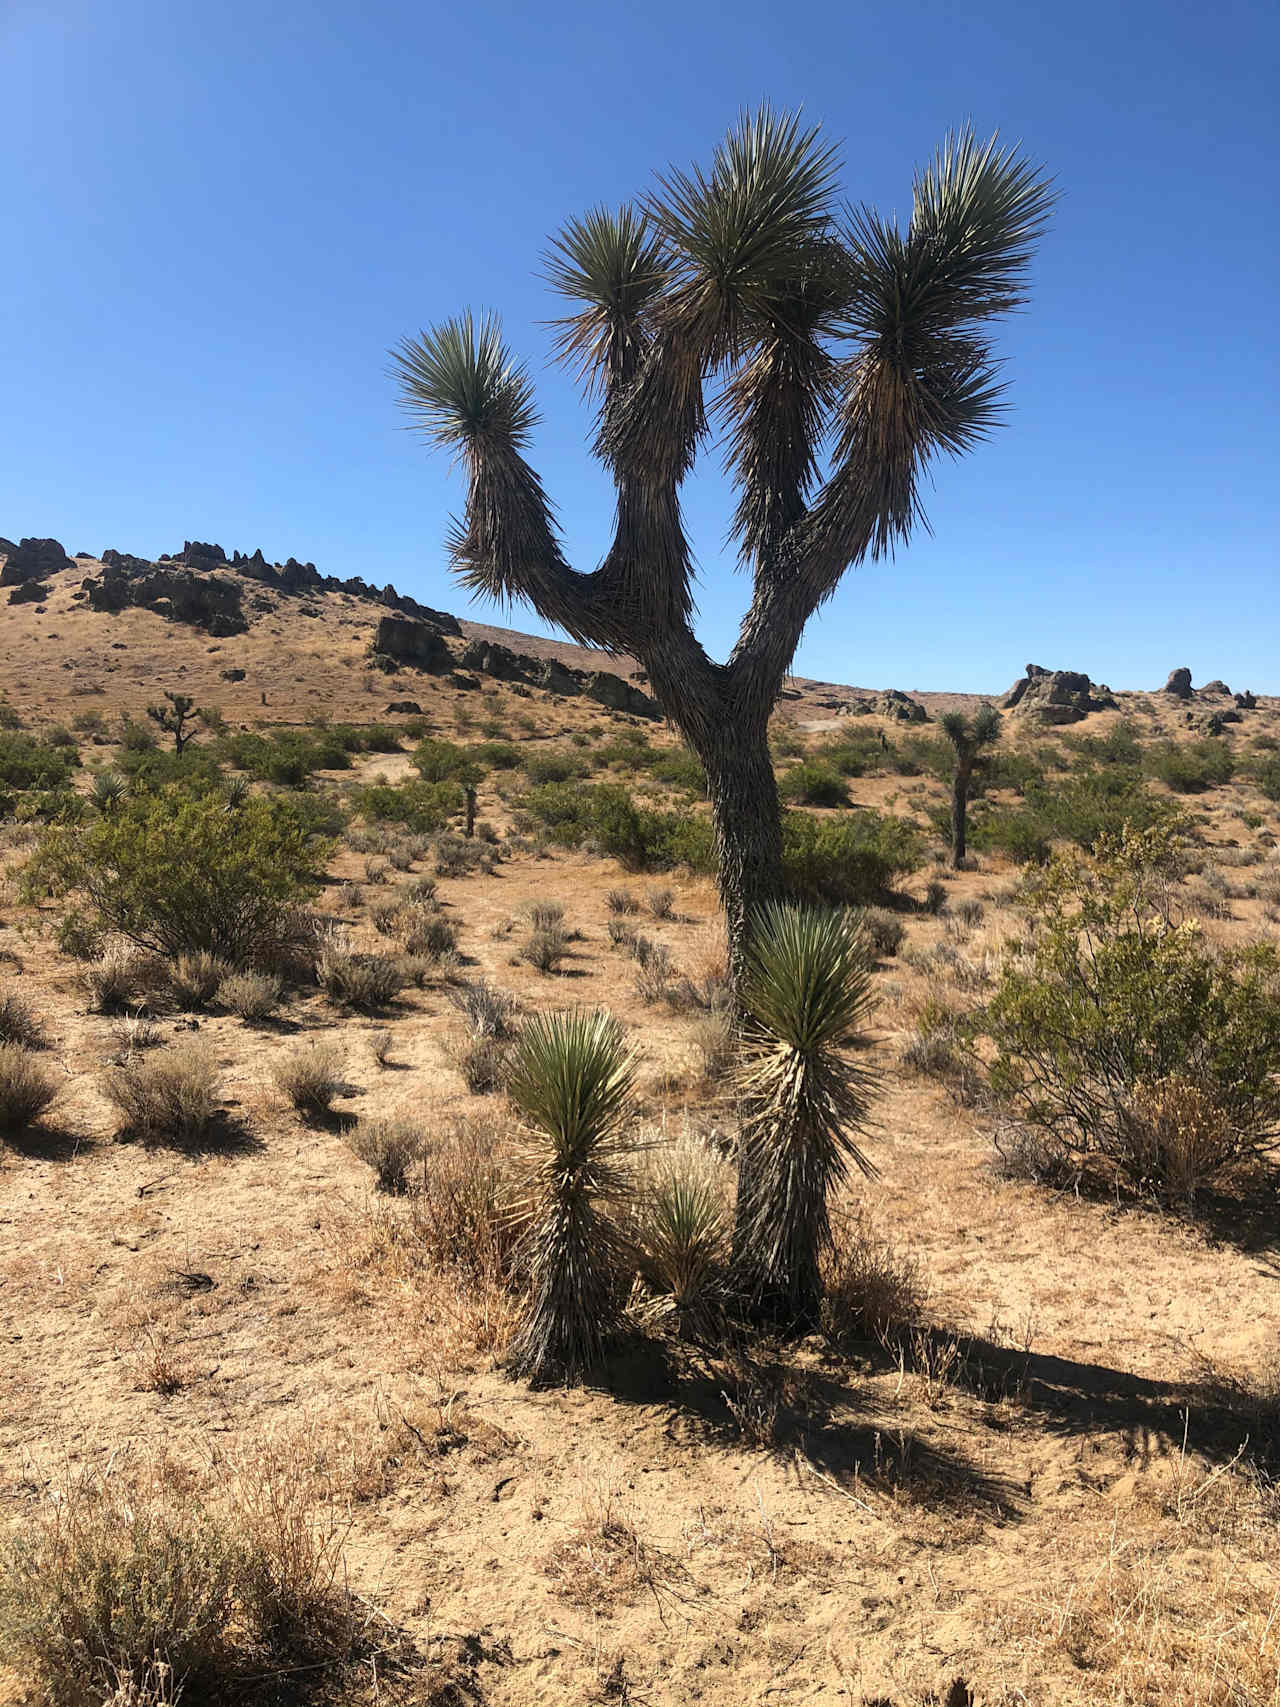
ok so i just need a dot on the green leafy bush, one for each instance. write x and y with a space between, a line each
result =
1189 767
444 761
1082 807
554 766
176 873
421 806
814 783
1120 1033
846 861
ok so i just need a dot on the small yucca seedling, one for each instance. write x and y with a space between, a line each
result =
571 1079
681 1229
806 994
109 789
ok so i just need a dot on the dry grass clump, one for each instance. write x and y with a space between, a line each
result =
871 1289
27 1088
621 902
350 896
680 1222
716 1041
171 1097
883 930
113 981
254 996
194 979
656 972
365 982
311 1076
375 871
545 950
391 1146
135 1588
939 1048
484 1056
18 1024
429 937
661 903
546 916
460 1213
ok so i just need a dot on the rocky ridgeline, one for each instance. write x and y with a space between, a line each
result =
415 643
202 587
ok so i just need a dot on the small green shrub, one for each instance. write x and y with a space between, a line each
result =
546 767
439 761
847 861
814 783
422 807
545 950
883 930
1190 767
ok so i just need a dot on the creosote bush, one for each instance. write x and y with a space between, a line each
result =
1122 1036
169 1097
27 1087
175 871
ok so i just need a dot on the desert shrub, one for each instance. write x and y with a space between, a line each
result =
422 892
1082 808
455 856
814 783
661 903
679 768
497 755
429 936
571 1080
444 761
78 937
545 950
171 1097
460 1210
546 915
1190 767
939 1048
621 902
385 917
853 752
484 1063
604 816
114 1584
1265 771
714 1037
883 930
375 871
680 1221
871 1289
1119 746
400 858
27 1087
115 979
177 873
390 1145
554 767
486 1011
1120 1033
969 913
28 763
656 971
622 935
194 979
150 769
365 982
846 861
311 1075
420 806
935 896
18 1024
254 996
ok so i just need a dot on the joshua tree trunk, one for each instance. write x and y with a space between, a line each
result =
959 811
744 809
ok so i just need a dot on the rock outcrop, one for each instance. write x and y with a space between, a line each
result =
900 706
491 658
32 560
1179 684
28 593
405 640
211 602
1056 696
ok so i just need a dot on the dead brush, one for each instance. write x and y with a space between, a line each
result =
194 979
27 1088
603 1560
172 1097
114 980
391 1145
365 982
19 1024
871 1289
311 1076
254 996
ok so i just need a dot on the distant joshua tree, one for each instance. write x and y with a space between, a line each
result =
836 354
173 718
969 737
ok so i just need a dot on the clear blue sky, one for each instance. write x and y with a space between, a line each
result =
218 217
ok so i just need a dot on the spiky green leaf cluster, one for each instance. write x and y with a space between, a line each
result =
462 386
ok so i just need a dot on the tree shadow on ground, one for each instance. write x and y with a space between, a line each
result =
765 1400
1214 1416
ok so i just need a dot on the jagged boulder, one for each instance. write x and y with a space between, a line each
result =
899 706
235 674
409 707
211 602
558 678
32 560
1246 701
491 658
1179 684
200 554
405 640
1215 690
1056 696
610 690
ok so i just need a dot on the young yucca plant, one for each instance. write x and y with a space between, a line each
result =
681 1226
806 994
571 1079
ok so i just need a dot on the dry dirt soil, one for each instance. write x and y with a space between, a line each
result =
1045 1489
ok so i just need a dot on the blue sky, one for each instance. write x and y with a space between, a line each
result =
218 218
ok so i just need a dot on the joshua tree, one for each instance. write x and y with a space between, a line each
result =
571 1080
837 355
806 991
969 738
173 718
